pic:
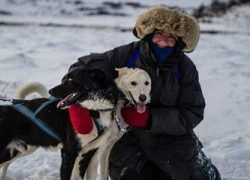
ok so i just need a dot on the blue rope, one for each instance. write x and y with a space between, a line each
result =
32 116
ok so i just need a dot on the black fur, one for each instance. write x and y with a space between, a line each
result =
85 162
17 128
95 80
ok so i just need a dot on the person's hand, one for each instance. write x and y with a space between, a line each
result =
80 119
134 118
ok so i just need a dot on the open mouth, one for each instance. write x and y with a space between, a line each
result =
140 107
68 100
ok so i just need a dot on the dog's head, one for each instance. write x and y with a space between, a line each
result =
92 89
136 86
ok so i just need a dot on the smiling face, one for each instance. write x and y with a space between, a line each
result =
163 39
136 86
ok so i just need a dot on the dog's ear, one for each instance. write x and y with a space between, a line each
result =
122 71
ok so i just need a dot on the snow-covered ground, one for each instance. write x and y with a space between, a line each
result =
35 51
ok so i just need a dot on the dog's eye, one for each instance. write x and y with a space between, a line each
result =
146 83
67 82
133 83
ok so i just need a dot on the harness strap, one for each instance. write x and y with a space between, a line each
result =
51 100
99 127
32 116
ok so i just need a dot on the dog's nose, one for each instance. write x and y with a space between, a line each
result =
142 98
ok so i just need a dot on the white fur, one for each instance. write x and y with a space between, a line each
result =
29 88
140 77
97 104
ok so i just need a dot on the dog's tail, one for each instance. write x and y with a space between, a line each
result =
29 88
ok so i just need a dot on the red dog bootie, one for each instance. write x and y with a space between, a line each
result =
133 118
80 119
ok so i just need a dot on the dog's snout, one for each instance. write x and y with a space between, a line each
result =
142 98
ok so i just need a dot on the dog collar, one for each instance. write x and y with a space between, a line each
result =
120 124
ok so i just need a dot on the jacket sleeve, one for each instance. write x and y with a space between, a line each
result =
106 61
189 109
103 61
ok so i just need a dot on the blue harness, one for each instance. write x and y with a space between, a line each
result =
132 60
33 117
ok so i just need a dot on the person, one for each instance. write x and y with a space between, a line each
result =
163 144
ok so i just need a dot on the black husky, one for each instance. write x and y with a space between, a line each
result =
26 125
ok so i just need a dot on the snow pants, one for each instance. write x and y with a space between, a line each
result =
179 158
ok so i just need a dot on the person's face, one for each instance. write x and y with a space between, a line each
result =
163 39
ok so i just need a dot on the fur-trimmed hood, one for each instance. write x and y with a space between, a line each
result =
169 20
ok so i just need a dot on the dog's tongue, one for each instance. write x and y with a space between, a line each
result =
140 108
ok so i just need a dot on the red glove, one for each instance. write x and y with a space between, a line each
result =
80 119
133 118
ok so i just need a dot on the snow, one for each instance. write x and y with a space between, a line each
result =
35 51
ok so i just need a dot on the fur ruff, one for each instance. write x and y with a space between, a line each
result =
169 20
